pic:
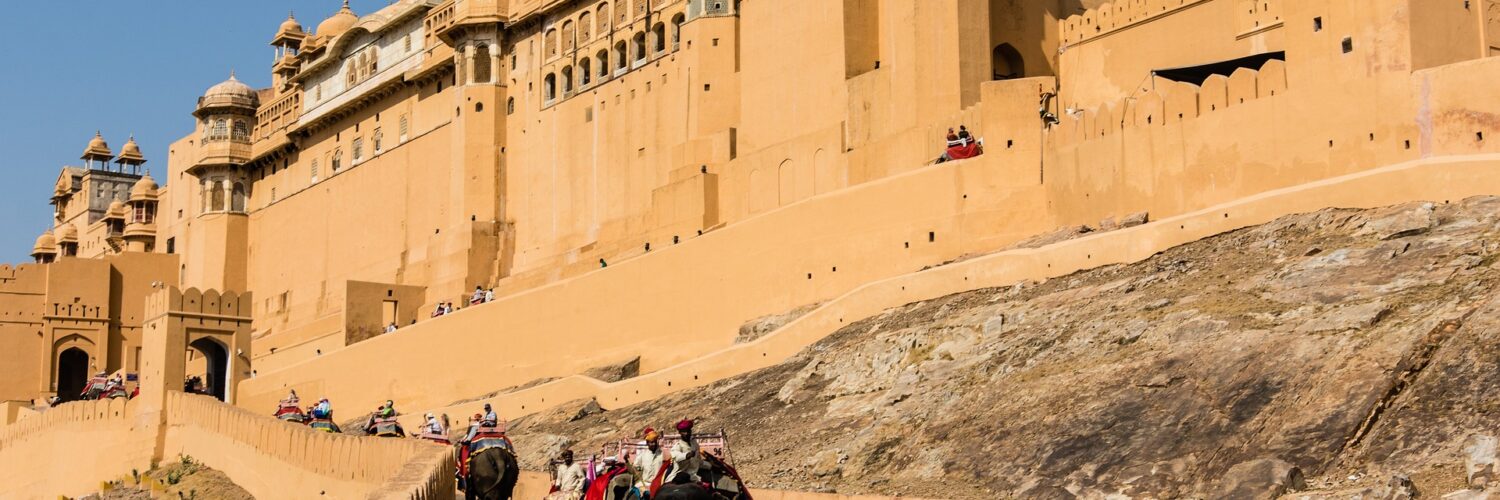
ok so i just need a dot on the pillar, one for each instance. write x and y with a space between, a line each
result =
469 53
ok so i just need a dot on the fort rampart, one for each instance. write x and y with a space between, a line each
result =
73 448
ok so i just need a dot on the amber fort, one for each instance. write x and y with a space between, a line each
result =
636 180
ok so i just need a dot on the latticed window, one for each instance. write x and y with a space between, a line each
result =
402 128
314 170
241 131
406 42
220 130
359 148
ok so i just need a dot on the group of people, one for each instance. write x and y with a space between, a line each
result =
961 145
683 462
102 386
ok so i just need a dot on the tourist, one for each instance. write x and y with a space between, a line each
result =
391 328
648 462
447 308
323 410
433 427
490 418
439 311
569 478
963 135
474 423
686 458
387 411
489 295
478 297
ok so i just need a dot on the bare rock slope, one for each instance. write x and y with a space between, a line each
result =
1321 354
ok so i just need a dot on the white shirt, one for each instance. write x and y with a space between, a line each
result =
685 454
434 426
649 465
570 477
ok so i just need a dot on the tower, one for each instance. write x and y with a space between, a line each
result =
226 115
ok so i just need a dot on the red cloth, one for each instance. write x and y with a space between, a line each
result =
965 151
600 487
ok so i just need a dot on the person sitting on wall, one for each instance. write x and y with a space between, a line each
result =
391 328
478 297
438 311
489 295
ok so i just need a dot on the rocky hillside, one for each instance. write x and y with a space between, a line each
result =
1333 353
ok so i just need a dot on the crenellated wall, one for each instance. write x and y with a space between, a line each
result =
73 448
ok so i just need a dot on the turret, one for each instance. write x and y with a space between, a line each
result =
45 250
140 231
97 154
130 159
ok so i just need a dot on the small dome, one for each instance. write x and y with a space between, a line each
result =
116 210
338 23
131 152
232 87
144 189
67 234
45 245
290 25
97 148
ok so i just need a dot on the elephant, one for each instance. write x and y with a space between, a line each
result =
686 491
492 474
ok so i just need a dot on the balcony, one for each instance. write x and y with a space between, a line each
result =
222 152
442 20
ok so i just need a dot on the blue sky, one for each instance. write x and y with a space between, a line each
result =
121 67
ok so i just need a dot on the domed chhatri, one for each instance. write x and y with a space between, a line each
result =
67 234
144 189
289 26
338 23
232 87
97 148
45 244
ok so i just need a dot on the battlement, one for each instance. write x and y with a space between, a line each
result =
1251 15
1167 102
198 302
22 278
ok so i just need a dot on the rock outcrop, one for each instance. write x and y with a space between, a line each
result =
1321 354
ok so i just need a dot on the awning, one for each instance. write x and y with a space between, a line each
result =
1196 75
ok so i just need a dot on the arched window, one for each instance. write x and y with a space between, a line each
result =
568 34
640 8
510 105
372 65
659 35
603 18
1006 62
241 131
550 43
603 57
237 201
677 21
620 57
549 87
364 62
622 13
378 138
585 26
216 194
567 78
640 46
221 130
350 76
338 160
482 69
585 71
